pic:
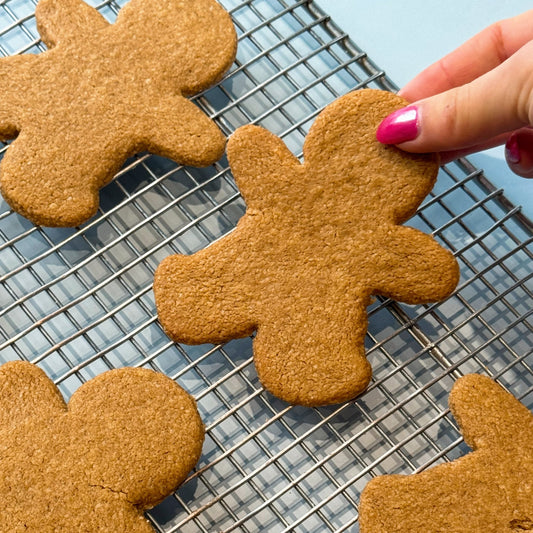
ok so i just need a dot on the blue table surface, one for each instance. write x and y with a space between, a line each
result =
403 38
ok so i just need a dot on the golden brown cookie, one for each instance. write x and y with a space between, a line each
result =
103 92
316 241
489 490
124 442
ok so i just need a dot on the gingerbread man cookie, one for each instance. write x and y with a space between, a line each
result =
103 92
489 490
317 240
124 442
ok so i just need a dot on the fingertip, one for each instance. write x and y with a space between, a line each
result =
399 127
519 152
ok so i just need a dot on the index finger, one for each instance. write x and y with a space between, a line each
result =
477 56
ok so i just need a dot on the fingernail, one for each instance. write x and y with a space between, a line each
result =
399 127
512 149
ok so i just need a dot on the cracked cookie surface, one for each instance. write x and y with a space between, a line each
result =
125 441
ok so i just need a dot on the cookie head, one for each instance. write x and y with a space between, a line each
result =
341 151
317 240
124 442
489 489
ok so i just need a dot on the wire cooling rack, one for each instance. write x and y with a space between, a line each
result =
79 301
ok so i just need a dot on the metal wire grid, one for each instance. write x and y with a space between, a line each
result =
79 301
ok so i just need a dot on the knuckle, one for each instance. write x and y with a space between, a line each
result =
455 115
495 35
524 82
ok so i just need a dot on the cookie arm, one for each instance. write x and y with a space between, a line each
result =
25 390
206 297
141 433
182 132
67 20
412 267
263 167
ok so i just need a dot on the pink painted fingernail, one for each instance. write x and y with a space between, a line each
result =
512 149
399 127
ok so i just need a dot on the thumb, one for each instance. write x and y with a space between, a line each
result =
499 101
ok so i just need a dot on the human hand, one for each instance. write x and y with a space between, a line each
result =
476 97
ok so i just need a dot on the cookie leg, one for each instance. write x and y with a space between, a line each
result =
204 298
15 91
486 490
56 183
8 129
487 413
422 502
336 371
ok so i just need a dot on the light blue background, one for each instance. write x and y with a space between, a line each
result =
403 38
